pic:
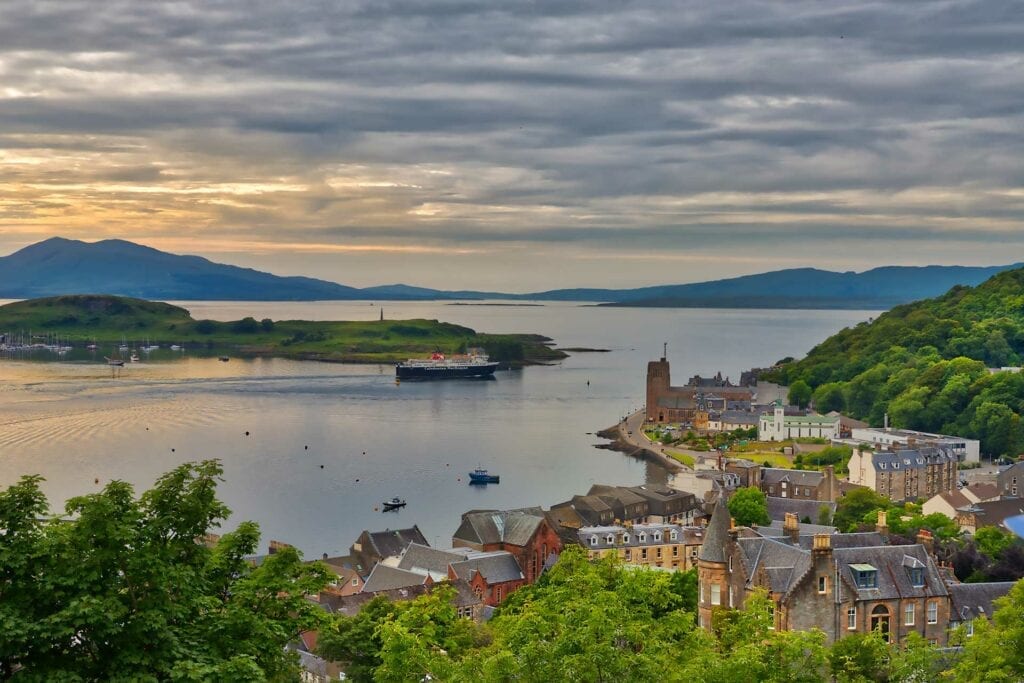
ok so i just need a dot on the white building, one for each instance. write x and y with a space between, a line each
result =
966 450
777 426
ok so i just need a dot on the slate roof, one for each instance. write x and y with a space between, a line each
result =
620 493
676 403
892 563
515 527
973 600
738 417
496 567
984 490
777 475
783 564
911 459
775 530
350 605
393 541
778 507
429 559
684 535
717 534
384 578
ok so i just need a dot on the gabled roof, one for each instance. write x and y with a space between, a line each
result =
429 559
954 499
514 527
393 541
713 549
496 567
617 493
782 563
995 512
973 600
384 578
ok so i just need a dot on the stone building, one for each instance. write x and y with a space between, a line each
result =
668 546
669 404
905 475
966 450
800 484
841 584
525 533
1011 481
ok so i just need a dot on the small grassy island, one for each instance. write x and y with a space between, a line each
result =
107 320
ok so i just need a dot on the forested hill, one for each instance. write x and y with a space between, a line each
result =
925 364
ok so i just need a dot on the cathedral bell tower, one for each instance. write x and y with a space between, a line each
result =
658 382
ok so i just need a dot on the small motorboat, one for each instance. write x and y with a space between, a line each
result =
481 476
393 504
114 362
223 359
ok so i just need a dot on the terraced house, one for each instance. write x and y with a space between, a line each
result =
668 546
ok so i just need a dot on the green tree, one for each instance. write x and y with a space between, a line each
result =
855 506
267 325
800 393
859 658
122 588
829 397
995 653
992 541
748 506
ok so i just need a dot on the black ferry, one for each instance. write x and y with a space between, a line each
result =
439 367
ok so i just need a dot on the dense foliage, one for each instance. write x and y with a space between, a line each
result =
603 621
749 507
122 588
925 365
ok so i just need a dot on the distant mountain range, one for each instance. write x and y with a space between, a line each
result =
61 266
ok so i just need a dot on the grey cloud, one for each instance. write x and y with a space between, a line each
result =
545 123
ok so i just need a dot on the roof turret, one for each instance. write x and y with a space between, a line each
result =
713 549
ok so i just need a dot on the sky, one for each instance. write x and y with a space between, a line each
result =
518 145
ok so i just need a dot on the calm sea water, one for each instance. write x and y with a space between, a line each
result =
327 443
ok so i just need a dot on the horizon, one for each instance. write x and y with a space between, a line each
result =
509 291
475 147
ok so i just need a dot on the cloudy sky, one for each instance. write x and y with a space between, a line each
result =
518 145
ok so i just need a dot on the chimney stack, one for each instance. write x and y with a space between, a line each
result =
822 543
882 526
925 538
791 527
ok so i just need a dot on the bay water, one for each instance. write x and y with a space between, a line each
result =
310 450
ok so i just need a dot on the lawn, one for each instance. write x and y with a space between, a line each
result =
684 458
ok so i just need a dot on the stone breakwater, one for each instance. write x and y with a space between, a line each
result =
618 441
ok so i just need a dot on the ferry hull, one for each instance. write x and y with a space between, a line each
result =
469 371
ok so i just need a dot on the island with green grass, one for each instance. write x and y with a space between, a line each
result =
108 321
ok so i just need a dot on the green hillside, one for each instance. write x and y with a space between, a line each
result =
925 364
106 320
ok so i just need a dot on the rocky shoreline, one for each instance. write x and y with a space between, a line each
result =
618 442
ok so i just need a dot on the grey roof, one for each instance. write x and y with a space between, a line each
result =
911 459
782 563
676 402
620 493
684 535
775 530
713 549
424 557
893 577
393 541
973 600
778 507
350 605
777 475
496 567
739 417
861 539
515 527
384 578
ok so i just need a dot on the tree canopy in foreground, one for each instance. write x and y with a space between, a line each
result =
123 588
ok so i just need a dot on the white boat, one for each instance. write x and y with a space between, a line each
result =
175 347
114 362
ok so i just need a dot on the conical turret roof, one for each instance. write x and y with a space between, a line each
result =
713 549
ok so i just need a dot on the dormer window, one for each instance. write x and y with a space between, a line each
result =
882 465
625 538
643 538
895 465
593 540
674 535
657 536
916 576
611 539
865 575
